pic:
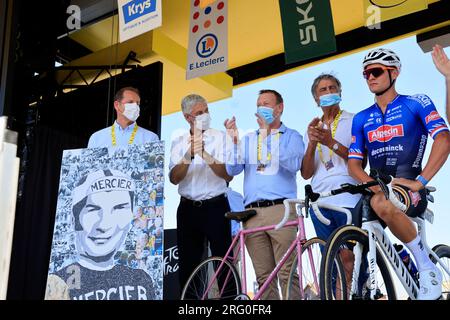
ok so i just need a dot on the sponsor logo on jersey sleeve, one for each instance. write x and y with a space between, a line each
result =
432 116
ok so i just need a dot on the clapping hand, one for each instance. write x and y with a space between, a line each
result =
318 134
232 130
197 144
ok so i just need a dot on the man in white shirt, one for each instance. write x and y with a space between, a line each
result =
197 167
325 160
124 130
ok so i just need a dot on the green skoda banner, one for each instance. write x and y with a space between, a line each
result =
308 30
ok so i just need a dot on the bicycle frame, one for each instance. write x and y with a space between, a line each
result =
376 235
239 240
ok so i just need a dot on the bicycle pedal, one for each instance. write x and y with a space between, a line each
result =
378 295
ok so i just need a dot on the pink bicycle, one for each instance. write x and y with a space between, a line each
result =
218 278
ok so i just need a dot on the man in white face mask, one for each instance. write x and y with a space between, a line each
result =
325 161
124 130
197 167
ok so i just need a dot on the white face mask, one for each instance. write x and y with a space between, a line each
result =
131 111
203 121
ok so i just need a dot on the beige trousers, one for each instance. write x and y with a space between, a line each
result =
267 248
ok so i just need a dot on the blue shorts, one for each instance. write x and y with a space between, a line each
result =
337 219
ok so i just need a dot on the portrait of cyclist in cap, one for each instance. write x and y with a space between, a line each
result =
102 209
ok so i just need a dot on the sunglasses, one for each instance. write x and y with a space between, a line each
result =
376 72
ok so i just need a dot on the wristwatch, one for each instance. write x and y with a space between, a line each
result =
336 146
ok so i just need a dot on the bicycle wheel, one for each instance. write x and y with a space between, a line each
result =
443 252
311 258
345 238
205 283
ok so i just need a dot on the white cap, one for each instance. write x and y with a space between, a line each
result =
102 181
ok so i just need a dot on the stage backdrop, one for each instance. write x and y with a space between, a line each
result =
108 234
171 281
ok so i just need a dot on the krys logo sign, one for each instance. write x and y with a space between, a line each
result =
386 4
138 8
207 45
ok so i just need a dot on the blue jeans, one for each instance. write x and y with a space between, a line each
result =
337 219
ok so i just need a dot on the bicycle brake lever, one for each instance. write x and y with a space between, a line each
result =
374 173
306 203
383 187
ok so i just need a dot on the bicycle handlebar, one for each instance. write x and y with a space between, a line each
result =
287 208
319 215
383 180
311 197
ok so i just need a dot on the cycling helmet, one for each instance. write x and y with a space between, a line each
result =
383 56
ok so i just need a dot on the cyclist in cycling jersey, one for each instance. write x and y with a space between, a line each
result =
393 134
442 63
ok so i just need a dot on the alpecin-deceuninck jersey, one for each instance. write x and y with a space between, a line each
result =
395 141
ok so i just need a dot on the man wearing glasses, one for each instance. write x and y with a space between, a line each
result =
393 134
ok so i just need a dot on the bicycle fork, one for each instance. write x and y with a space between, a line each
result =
372 264
372 284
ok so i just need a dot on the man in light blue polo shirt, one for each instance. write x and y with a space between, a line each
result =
124 130
270 158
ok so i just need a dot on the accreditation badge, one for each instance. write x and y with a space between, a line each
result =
261 167
329 165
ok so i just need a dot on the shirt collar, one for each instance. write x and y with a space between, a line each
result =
281 129
345 114
130 127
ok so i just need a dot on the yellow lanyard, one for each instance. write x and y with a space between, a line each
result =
259 148
333 134
113 135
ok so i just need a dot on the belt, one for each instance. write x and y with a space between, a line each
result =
264 203
200 203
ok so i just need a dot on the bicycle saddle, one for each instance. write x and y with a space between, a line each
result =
241 215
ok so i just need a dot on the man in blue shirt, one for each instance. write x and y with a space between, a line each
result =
236 202
270 158
124 130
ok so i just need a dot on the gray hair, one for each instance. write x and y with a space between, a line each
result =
321 77
190 101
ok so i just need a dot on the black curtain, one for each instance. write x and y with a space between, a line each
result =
35 213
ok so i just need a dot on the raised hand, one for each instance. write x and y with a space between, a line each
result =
441 60
263 125
197 144
312 132
232 130
324 136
